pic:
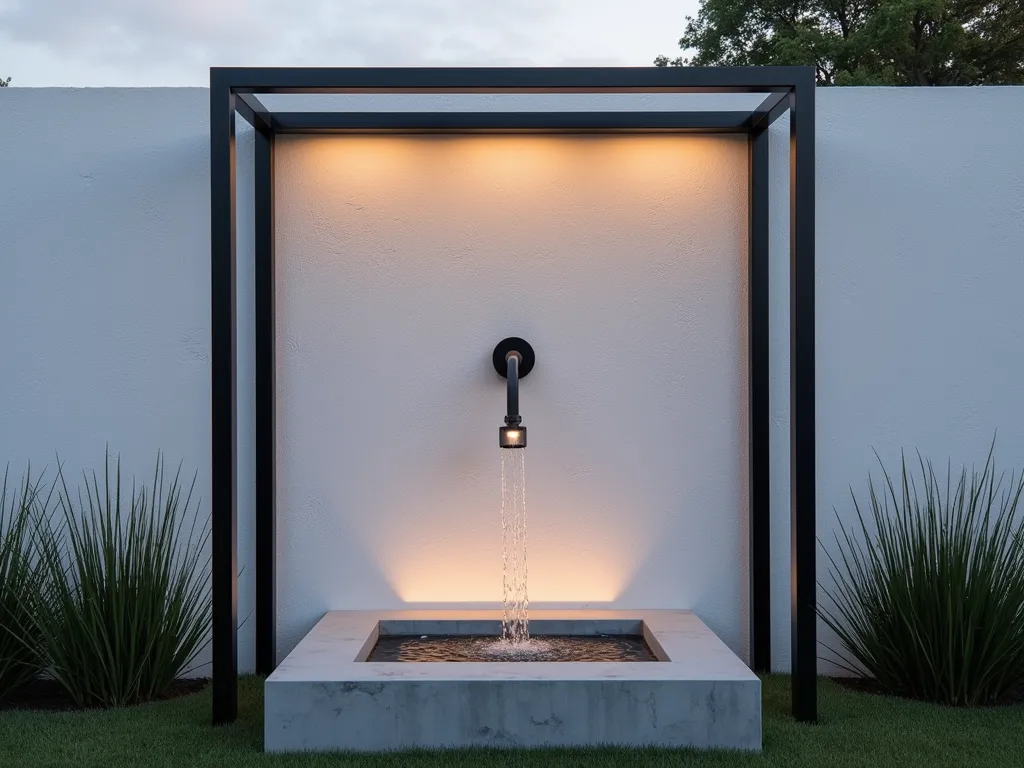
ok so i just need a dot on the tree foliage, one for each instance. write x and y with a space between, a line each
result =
863 42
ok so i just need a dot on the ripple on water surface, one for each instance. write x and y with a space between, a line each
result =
474 648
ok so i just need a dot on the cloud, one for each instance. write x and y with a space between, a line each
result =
175 41
145 33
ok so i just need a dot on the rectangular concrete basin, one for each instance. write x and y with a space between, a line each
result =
325 697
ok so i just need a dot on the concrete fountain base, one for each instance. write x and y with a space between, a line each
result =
325 696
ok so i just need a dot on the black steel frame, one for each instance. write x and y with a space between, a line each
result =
237 90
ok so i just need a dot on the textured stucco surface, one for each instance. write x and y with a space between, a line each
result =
105 288
621 260
402 261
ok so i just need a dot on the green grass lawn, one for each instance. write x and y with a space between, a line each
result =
856 729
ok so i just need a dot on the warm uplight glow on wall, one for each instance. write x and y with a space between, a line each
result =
570 560
401 260
462 578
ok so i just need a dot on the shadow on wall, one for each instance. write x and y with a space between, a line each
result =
354 580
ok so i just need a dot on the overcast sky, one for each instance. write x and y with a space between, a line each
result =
174 42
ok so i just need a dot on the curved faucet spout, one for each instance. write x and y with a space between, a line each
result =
512 417
513 358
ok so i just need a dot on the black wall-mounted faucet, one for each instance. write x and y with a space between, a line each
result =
513 358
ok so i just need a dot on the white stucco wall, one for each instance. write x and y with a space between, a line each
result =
105 289
403 260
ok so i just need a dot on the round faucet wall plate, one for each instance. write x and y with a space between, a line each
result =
513 344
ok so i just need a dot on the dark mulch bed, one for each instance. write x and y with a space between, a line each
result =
870 685
49 695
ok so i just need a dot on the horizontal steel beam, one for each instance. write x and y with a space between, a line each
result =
507 79
510 122
251 108
769 110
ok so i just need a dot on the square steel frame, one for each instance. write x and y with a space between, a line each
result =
237 90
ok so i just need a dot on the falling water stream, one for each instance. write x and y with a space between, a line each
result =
515 643
515 625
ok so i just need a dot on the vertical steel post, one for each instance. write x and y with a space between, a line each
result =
758 388
802 405
224 519
266 513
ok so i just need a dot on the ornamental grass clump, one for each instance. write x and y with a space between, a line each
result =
928 595
22 579
127 605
